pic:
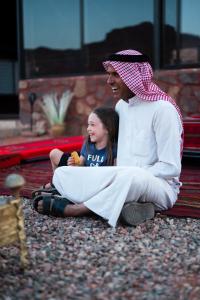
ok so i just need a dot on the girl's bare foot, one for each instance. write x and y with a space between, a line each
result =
48 185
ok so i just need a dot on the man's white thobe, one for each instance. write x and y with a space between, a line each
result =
148 163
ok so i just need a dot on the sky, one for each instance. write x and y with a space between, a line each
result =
191 20
56 23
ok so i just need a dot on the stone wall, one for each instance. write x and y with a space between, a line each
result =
92 91
184 86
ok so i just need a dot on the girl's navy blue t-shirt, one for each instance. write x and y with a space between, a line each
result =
95 157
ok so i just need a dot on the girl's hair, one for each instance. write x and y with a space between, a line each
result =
110 119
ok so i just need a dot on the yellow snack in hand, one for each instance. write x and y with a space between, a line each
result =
76 158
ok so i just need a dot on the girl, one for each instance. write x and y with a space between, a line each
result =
100 147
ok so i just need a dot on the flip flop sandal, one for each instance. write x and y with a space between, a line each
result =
52 191
53 205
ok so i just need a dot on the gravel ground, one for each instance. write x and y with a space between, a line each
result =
83 258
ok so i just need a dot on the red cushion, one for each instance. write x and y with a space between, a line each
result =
8 160
14 154
192 133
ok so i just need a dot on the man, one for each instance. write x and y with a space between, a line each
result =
146 178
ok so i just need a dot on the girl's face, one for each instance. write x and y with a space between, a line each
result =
96 130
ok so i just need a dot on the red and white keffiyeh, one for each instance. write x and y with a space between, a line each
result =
138 78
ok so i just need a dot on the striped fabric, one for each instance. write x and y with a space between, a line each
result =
39 172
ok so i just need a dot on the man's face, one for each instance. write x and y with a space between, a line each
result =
119 88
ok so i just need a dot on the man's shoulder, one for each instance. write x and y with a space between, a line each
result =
163 104
165 111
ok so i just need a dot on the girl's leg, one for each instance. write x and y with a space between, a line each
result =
55 156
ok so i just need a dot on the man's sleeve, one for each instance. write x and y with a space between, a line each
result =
168 132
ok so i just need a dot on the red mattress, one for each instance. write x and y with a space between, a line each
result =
38 173
192 133
15 154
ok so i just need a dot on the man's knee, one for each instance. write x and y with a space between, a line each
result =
141 182
140 178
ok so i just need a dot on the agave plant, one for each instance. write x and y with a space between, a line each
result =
55 109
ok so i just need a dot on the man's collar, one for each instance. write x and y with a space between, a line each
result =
134 100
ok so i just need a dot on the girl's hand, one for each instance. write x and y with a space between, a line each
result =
76 158
70 161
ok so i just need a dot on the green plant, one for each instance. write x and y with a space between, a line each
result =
55 109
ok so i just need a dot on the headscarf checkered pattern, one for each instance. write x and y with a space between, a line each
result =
138 78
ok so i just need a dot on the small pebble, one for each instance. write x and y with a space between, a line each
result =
83 258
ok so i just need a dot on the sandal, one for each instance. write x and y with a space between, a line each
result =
53 205
43 191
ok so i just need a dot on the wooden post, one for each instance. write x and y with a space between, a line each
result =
15 183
